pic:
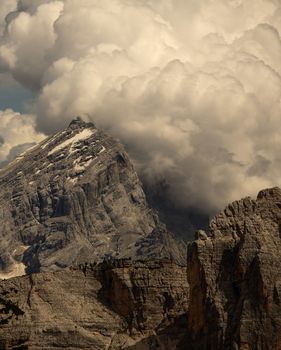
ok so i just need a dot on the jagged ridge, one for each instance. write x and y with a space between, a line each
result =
234 274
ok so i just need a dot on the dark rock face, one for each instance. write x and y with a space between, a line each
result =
183 222
115 305
75 197
234 272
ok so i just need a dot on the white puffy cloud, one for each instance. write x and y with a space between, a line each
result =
24 49
193 88
17 133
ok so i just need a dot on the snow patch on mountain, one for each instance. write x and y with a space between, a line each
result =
82 135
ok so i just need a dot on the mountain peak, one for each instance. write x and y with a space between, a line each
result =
72 198
78 123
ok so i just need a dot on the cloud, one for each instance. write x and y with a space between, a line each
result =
17 133
6 7
192 88
29 36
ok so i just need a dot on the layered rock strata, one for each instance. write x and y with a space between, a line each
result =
115 305
234 272
76 197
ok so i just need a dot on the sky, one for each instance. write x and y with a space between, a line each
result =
192 88
15 96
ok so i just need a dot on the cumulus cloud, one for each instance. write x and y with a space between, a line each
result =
17 133
193 88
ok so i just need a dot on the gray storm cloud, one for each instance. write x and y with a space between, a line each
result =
193 88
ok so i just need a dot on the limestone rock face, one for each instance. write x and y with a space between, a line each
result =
75 197
115 305
234 272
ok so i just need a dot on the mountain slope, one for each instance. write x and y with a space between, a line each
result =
75 197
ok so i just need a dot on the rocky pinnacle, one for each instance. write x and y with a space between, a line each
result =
234 274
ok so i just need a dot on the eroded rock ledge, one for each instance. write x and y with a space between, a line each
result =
114 305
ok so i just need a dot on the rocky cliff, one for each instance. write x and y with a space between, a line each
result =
114 305
76 197
234 272
228 296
